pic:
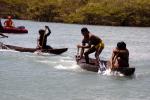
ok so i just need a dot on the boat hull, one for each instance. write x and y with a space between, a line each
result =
125 71
14 30
22 49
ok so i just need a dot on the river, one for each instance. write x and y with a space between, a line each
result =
28 76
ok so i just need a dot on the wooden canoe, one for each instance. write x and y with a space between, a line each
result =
22 49
91 66
95 68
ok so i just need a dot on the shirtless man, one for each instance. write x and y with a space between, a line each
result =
94 44
120 56
42 40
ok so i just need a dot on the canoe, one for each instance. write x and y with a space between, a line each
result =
15 30
32 50
127 71
92 66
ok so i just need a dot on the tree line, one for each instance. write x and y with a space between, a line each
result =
96 12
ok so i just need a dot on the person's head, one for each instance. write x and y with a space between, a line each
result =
121 45
41 32
85 31
9 17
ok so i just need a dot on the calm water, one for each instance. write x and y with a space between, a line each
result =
27 76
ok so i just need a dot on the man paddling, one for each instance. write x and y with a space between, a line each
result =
42 40
94 44
120 56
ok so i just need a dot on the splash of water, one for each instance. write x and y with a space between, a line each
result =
61 67
7 50
108 72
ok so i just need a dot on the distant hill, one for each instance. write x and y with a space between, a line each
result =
97 12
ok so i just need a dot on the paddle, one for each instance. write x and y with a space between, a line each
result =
43 38
3 46
78 52
77 55
3 36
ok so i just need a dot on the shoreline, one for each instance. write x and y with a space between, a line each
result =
133 13
77 23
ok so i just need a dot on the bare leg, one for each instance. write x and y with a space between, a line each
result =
91 50
97 53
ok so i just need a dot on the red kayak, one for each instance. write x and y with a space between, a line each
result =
15 30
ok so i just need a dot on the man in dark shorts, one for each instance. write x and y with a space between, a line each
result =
94 44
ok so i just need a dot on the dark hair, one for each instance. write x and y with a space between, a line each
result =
121 45
84 30
41 31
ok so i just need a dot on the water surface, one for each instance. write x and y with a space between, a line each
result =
28 76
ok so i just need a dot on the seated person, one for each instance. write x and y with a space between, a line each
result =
42 40
120 56
9 22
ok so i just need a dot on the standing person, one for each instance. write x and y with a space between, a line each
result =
9 22
94 44
120 56
42 40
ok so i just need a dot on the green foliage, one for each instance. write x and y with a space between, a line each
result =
42 12
99 12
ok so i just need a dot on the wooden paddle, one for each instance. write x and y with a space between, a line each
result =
77 55
3 36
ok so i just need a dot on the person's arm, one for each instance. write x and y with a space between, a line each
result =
112 60
120 51
5 23
114 57
49 31
38 44
13 25
83 46
81 53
